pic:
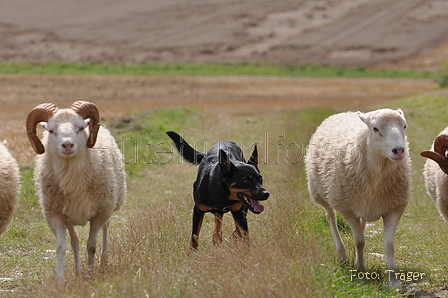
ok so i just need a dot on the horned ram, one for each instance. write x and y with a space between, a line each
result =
79 176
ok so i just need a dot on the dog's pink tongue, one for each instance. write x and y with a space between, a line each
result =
256 205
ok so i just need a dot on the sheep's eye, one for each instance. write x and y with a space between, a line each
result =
375 129
51 131
405 126
80 129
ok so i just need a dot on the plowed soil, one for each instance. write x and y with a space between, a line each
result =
399 33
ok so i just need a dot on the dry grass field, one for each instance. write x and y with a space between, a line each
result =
291 253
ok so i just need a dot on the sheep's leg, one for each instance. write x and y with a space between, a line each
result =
95 226
74 241
57 225
217 232
357 225
390 223
363 226
104 253
340 247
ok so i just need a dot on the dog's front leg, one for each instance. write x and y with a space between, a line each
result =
217 233
198 216
241 231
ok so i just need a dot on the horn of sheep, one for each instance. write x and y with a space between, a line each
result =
40 113
438 155
88 110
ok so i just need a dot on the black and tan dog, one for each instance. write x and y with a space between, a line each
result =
225 182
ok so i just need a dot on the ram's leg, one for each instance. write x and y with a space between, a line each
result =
390 223
95 226
58 226
104 253
358 234
74 241
363 226
340 247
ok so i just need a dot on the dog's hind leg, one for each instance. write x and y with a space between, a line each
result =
198 216
217 233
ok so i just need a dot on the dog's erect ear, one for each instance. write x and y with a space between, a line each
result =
224 162
253 160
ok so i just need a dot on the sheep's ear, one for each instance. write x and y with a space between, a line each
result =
400 111
44 125
86 121
362 116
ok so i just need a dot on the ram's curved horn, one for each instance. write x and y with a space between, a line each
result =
88 110
40 113
438 155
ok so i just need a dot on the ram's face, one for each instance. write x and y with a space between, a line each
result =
67 133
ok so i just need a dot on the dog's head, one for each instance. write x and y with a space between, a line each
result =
244 181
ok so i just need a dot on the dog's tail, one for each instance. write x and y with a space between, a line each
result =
187 152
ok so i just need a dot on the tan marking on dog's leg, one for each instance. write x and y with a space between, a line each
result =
217 233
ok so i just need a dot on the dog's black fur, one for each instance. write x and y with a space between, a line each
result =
225 182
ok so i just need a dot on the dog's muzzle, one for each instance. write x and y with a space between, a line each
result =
254 204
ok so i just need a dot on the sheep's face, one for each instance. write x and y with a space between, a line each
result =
386 133
67 134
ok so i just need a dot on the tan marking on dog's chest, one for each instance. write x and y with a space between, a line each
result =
204 208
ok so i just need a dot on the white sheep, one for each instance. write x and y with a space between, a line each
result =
435 173
75 181
9 187
358 165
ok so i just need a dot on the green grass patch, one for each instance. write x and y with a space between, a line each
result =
142 139
224 69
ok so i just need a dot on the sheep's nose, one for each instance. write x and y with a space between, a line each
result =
398 150
67 145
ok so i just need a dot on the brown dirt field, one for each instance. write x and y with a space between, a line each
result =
381 33
117 95
233 94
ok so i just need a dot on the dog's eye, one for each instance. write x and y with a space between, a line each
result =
247 179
